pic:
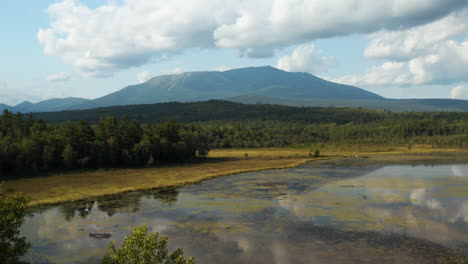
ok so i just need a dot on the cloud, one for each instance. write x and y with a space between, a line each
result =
395 73
426 54
177 70
114 36
223 68
447 63
143 76
12 96
459 92
271 23
118 35
304 59
58 77
407 44
257 52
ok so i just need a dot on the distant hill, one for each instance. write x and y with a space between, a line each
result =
4 106
397 105
201 86
266 85
56 104
216 110
252 85
25 106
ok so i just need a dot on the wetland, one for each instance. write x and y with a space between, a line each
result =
398 209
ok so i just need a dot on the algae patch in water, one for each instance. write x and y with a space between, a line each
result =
321 212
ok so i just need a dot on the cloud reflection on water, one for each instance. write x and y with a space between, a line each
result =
282 216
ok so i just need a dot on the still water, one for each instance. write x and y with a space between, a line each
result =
326 212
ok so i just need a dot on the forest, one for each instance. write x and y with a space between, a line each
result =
257 134
229 111
215 110
30 146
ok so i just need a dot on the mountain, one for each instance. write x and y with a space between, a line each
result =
56 104
252 85
23 107
4 106
201 86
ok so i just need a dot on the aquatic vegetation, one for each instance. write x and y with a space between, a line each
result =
352 210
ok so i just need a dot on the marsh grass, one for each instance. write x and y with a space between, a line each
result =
72 186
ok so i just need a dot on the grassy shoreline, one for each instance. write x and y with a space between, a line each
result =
73 186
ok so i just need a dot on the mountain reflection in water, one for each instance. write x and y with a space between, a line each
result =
327 212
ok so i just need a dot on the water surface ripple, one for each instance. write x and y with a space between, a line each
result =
327 212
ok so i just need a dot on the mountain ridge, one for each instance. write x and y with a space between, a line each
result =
245 85
49 105
220 110
209 85
397 105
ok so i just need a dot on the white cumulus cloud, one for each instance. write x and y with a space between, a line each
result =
305 59
58 77
434 53
459 92
223 68
143 76
264 23
407 44
117 35
448 63
387 73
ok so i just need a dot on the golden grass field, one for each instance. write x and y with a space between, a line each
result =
72 186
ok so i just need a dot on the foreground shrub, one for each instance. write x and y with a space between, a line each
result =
143 248
12 213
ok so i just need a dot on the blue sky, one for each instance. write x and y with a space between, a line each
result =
55 49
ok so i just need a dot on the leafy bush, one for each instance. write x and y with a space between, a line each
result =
12 212
316 153
143 248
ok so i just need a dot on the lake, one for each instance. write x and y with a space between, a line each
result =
345 211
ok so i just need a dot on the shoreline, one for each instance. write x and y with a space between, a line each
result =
78 186
170 186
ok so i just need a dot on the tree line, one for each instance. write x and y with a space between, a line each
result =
229 111
217 110
256 134
29 146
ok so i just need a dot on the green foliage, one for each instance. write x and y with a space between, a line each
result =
254 134
143 248
229 111
12 213
68 155
316 153
31 146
